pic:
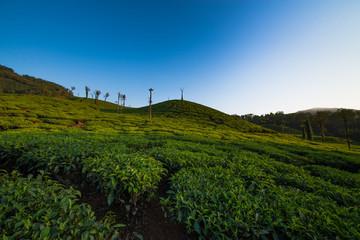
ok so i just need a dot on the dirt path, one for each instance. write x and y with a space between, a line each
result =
149 222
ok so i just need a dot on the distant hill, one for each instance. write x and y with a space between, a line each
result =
11 82
314 110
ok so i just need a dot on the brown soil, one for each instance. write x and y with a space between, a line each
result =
79 124
149 221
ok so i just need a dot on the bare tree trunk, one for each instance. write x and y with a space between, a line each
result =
182 96
322 132
347 134
118 102
150 101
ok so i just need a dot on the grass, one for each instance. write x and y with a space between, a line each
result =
228 178
39 113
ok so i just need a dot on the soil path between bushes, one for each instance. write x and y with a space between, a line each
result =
150 221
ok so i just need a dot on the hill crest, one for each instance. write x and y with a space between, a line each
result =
19 111
11 82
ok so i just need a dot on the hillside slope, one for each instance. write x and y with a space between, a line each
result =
199 113
11 82
40 113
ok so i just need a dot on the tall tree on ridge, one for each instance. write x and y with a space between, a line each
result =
321 118
87 90
346 115
182 96
97 94
123 100
106 96
150 101
119 96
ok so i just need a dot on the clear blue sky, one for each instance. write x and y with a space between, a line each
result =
239 57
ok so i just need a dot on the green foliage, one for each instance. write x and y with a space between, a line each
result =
221 189
260 197
199 114
321 118
223 204
39 208
335 176
124 177
334 123
229 179
38 113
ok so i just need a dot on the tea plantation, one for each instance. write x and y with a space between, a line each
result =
226 178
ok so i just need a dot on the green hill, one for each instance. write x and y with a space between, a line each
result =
41 113
198 113
217 176
11 82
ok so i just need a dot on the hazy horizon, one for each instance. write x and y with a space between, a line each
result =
239 57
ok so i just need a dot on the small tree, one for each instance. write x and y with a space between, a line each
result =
346 115
321 118
106 96
70 91
150 101
123 99
87 90
308 129
118 101
97 94
303 131
282 126
182 96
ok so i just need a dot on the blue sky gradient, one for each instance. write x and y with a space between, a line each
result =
239 57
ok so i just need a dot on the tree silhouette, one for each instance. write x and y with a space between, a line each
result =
308 129
87 90
283 125
321 118
70 91
97 94
106 96
346 115
182 96
123 99
303 131
150 101
119 96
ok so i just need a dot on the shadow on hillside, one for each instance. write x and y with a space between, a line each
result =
107 110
